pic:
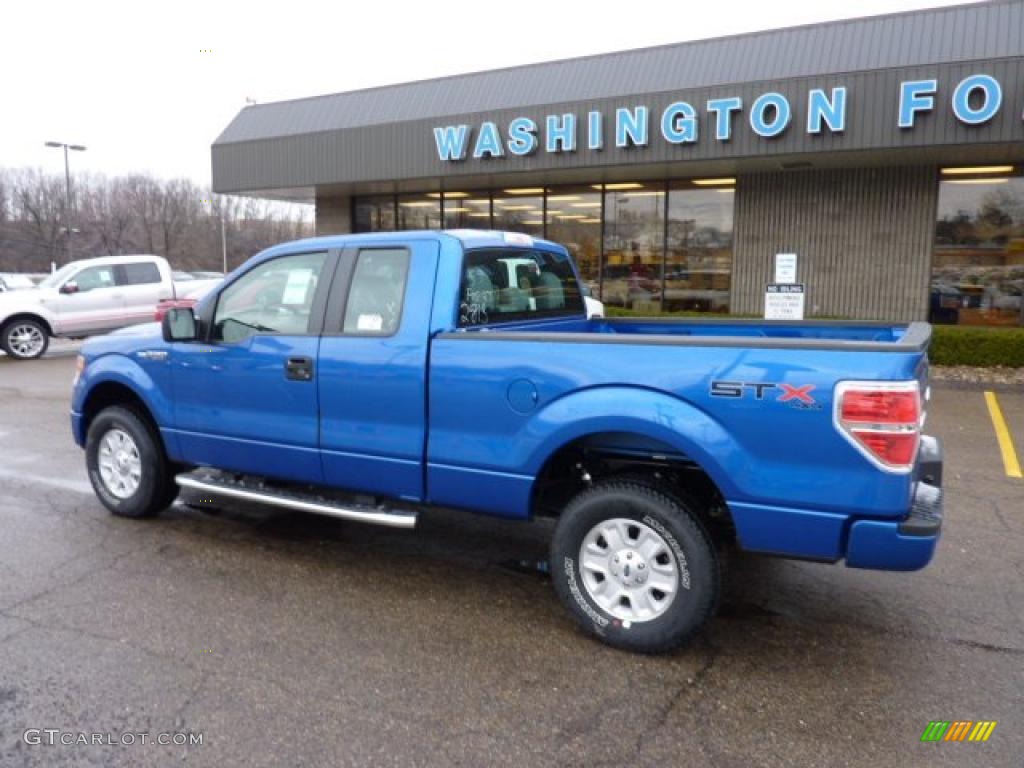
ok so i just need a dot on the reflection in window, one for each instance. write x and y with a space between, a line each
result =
273 297
634 238
519 210
375 213
500 284
467 210
374 303
419 212
978 263
699 261
574 220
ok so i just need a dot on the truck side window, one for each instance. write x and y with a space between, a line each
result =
138 273
502 284
375 298
273 297
94 277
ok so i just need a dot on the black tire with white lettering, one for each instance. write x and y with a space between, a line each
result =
127 465
634 566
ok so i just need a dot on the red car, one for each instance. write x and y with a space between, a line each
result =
166 304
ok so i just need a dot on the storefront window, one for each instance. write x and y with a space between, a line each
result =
467 210
419 211
699 260
634 238
375 213
978 263
520 210
574 220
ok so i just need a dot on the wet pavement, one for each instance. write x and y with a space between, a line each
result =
286 639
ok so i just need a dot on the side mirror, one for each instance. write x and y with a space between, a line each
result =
69 287
179 324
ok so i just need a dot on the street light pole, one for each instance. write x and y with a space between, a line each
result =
67 182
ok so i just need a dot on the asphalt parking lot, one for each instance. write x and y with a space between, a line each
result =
294 640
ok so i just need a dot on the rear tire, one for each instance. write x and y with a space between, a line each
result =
127 466
24 339
634 566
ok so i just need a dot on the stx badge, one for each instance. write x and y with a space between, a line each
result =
799 396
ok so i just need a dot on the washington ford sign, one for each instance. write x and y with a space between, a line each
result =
975 100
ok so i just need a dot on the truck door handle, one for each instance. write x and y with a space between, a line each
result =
299 369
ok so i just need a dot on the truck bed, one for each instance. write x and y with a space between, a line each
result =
726 332
711 391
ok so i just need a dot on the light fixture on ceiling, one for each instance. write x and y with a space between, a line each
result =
584 205
619 185
525 191
723 182
563 197
978 169
417 203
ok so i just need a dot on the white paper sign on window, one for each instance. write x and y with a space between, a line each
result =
298 284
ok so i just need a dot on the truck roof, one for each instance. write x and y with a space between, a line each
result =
469 238
122 259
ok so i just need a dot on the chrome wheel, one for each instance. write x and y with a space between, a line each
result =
25 340
629 569
119 464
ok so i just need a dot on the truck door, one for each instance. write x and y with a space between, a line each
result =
142 288
246 399
89 301
372 368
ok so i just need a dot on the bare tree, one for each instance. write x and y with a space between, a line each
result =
136 213
42 203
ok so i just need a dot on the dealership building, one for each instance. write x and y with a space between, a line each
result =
886 152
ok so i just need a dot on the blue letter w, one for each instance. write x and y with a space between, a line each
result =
451 142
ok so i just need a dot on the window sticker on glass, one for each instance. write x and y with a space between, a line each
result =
298 283
370 323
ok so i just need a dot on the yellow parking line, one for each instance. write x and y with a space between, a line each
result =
1010 461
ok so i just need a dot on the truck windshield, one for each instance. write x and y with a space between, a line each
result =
503 284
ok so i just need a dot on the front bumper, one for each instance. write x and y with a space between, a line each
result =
907 544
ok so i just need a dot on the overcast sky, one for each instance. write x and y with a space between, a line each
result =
134 83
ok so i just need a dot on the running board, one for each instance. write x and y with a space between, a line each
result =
208 483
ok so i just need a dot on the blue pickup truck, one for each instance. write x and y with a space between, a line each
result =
373 377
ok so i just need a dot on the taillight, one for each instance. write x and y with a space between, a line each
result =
882 419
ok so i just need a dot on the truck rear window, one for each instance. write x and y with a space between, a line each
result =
503 284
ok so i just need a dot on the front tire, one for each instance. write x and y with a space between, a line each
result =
127 466
634 566
24 339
